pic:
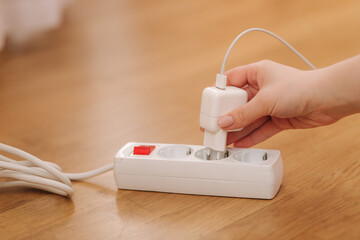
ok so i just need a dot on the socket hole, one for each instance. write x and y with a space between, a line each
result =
251 156
202 154
174 151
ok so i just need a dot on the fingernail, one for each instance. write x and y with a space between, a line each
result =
225 121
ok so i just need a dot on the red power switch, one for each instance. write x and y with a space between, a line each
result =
143 149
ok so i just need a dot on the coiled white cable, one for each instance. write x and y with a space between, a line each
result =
35 173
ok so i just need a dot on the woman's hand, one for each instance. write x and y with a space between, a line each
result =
281 97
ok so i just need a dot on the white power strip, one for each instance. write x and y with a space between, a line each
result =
248 173
190 169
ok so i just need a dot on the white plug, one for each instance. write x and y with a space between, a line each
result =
251 173
215 102
220 100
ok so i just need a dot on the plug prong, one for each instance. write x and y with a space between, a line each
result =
208 153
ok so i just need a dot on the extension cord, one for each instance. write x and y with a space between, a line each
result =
174 168
192 169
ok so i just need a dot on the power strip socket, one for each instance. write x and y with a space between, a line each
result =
187 169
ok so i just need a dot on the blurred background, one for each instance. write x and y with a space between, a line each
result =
80 78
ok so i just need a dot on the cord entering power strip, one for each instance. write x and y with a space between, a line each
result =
174 168
206 170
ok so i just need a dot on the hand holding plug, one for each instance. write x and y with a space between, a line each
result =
281 97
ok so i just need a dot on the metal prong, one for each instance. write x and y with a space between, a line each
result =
226 154
217 155
208 153
265 157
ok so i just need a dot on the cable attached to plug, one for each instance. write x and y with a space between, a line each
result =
221 78
35 173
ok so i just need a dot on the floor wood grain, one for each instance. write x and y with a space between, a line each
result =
131 70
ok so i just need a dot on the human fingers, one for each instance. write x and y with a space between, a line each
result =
264 132
235 136
244 115
243 75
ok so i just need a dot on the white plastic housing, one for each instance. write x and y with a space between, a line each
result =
221 81
214 103
183 169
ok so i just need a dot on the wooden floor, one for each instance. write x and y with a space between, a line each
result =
120 71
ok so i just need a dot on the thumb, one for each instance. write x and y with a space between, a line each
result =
244 115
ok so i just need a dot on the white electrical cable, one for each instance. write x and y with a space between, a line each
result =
35 173
222 71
